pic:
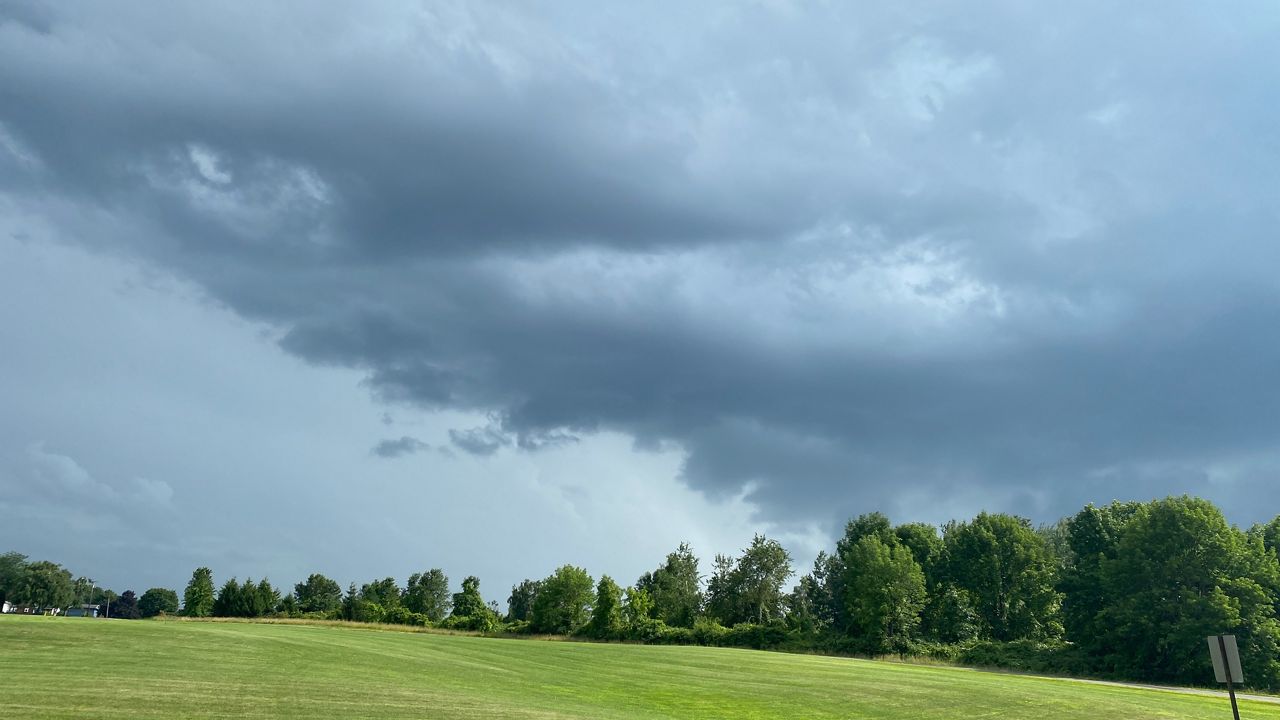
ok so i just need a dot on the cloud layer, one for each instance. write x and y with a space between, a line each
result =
843 258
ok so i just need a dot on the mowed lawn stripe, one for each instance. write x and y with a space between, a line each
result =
67 668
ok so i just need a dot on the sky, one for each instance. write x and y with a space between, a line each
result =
370 288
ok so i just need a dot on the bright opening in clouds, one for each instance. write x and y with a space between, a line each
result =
369 288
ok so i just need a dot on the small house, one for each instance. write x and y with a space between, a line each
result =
82 611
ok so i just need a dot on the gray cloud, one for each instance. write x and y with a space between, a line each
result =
405 445
845 258
483 441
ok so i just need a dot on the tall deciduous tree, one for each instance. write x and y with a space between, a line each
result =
924 542
1181 572
428 593
1093 537
884 594
675 588
520 602
12 567
833 569
45 584
606 612
564 601
156 601
197 600
749 589
1004 568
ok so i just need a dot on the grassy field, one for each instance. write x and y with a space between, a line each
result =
81 668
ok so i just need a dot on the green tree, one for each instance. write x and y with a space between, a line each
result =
1268 534
923 541
355 608
520 602
606 613
1002 565
318 594
884 592
13 566
637 607
82 591
267 598
156 601
564 601
802 612
950 615
764 566
749 589
126 606
1180 572
385 593
675 588
724 597
45 584
832 571
428 593
469 602
197 600
228 602
1092 537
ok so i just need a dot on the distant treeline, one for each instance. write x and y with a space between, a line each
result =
1129 590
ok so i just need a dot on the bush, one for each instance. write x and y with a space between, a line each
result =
708 632
1026 655
518 627
401 615
760 637
481 622
645 630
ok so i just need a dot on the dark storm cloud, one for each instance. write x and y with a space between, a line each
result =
845 258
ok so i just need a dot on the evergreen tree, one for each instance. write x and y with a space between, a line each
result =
318 594
268 598
228 604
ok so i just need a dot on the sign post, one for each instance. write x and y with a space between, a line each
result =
1226 665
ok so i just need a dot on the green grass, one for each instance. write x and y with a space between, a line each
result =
75 668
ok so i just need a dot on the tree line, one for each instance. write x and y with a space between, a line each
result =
1127 590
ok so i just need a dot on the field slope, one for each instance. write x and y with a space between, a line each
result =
72 668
